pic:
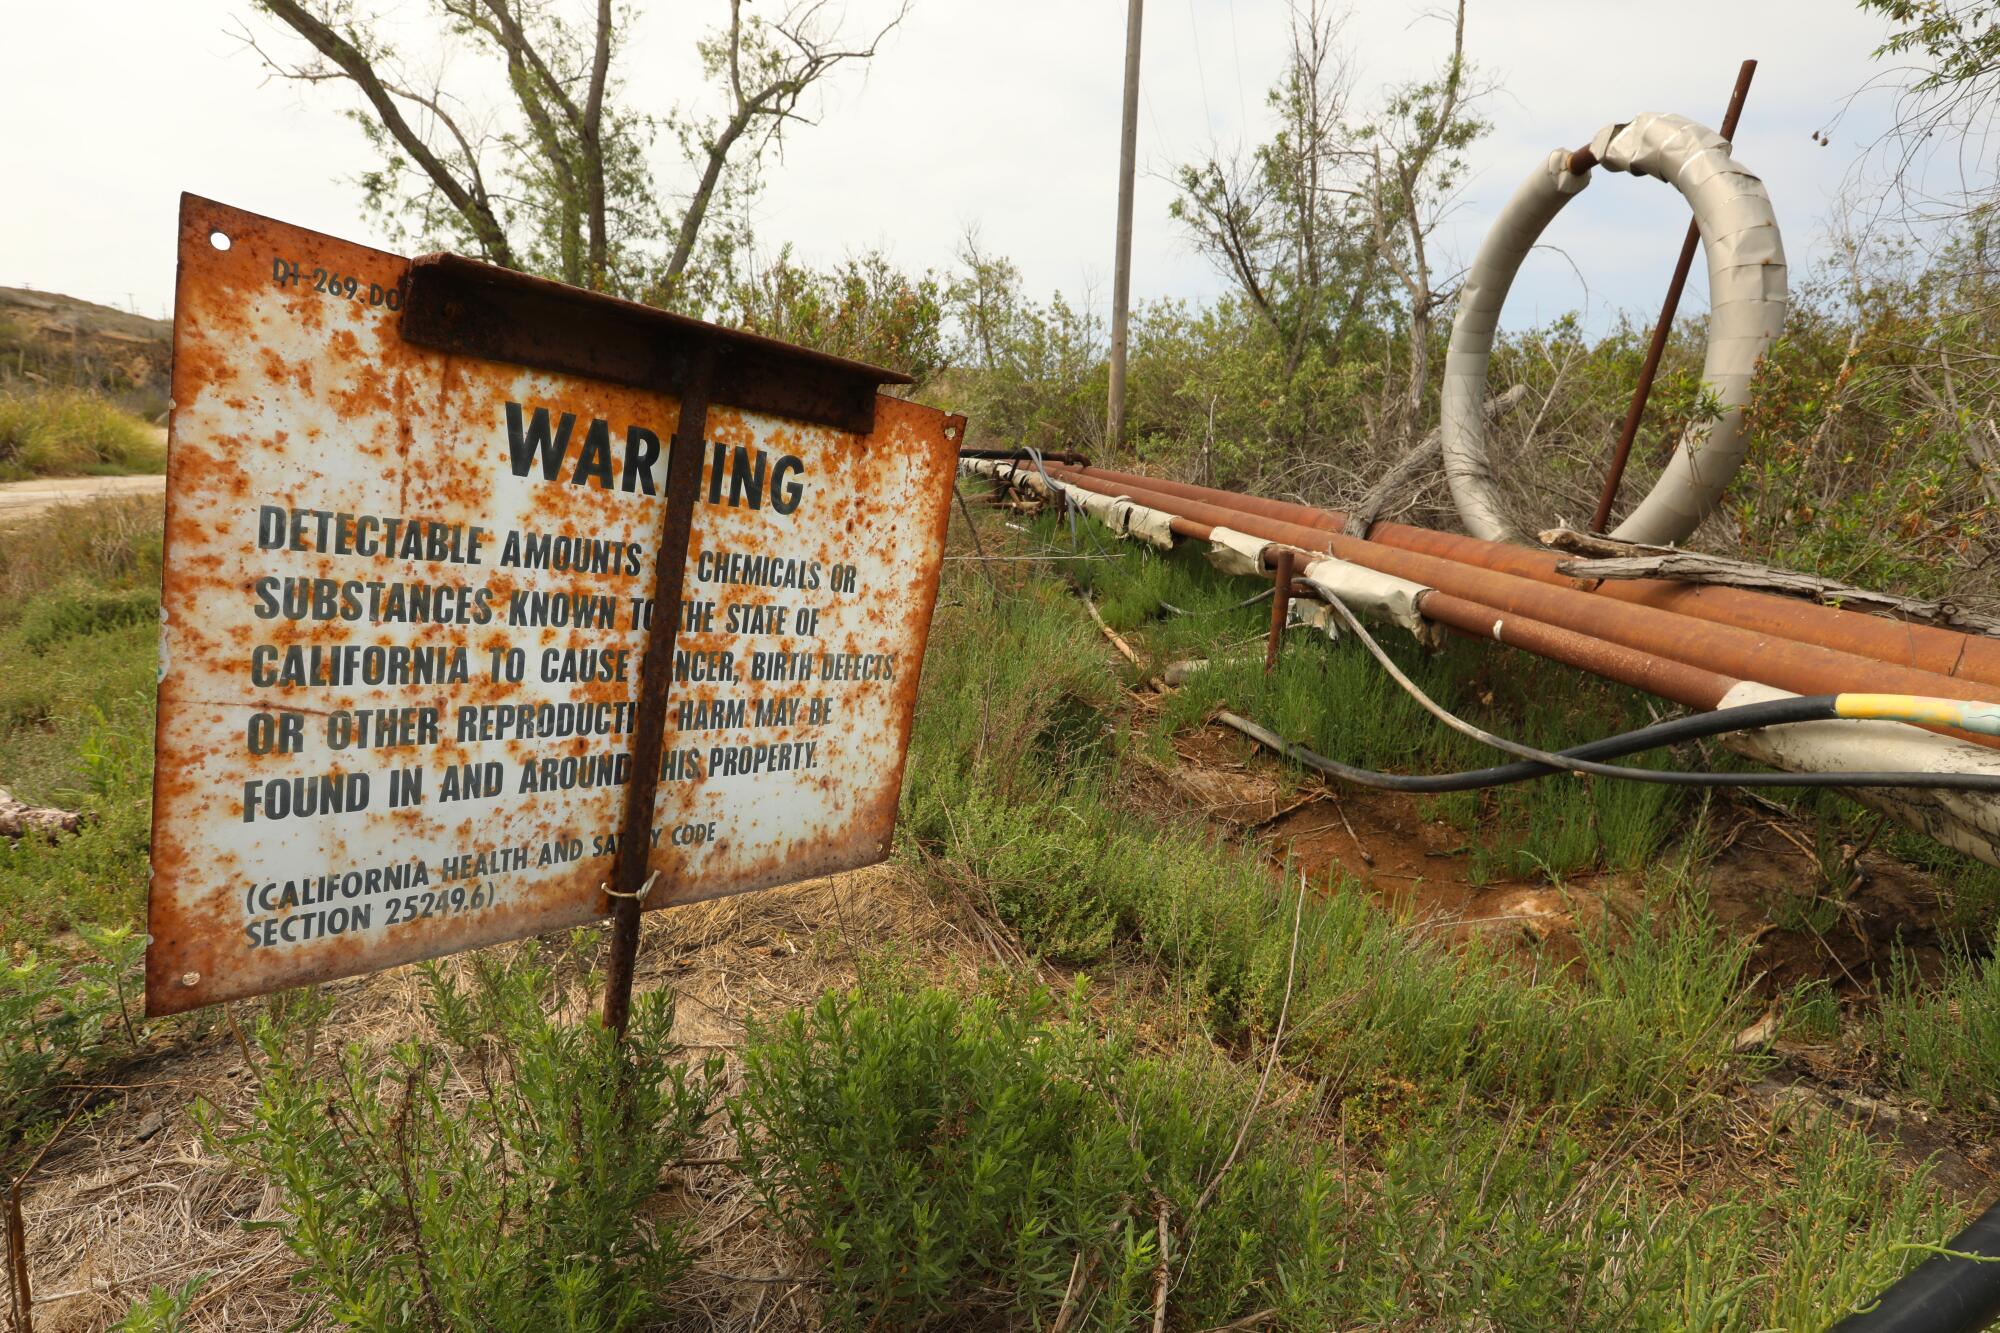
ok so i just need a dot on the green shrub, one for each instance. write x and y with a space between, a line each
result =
865 308
113 543
72 615
951 1162
67 432
162 1309
498 1177
104 763
57 1021
79 662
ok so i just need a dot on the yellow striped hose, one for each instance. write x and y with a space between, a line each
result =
1958 714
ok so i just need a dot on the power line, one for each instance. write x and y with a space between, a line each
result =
1236 45
1201 74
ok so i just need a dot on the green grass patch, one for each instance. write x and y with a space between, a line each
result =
73 433
1943 1040
500 1174
79 654
1502 1128
953 1163
1336 699
49 621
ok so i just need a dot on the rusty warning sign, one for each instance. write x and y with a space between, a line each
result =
419 515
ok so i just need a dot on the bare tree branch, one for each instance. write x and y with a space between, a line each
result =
567 160
788 76
467 197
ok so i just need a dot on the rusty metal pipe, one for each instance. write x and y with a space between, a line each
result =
1689 686
1659 671
1944 652
1682 683
1948 817
1281 603
1787 664
1678 682
1655 670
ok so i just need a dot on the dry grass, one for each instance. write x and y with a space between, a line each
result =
71 433
110 1214
103 544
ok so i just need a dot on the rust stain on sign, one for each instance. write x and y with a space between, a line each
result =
404 606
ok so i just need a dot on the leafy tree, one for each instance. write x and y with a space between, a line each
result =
1950 75
1960 40
866 309
1275 223
1415 164
1324 229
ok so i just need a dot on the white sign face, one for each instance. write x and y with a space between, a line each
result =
405 601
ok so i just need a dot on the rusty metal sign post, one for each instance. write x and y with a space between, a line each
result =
493 607
1281 605
629 873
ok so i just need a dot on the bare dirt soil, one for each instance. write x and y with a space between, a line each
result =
23 500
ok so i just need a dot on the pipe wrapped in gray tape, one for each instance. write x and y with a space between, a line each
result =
1746 278
1151 526
1125 518
1237 553
1462 422
1966 820
1373 593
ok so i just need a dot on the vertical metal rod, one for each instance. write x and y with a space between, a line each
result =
1281 604
17 1261
1635 413
656 670
1121 279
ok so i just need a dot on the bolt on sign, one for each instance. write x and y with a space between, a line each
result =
493 607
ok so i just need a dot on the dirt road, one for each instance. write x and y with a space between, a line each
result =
25 499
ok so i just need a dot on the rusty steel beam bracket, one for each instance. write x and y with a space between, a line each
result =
459 305
629 880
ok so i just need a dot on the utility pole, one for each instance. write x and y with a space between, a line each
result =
1121 280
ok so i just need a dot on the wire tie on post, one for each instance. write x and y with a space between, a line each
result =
640 896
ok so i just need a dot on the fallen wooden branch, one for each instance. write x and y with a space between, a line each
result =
18 819
1612 559
1420 460
1117 639
1596 545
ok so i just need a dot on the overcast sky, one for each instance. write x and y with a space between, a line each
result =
999 114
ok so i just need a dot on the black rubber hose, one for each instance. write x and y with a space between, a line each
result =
1561 760
1944 1293
1745 717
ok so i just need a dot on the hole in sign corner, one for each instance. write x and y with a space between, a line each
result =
190 979
219 239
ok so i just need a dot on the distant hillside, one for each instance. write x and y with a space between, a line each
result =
55 340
